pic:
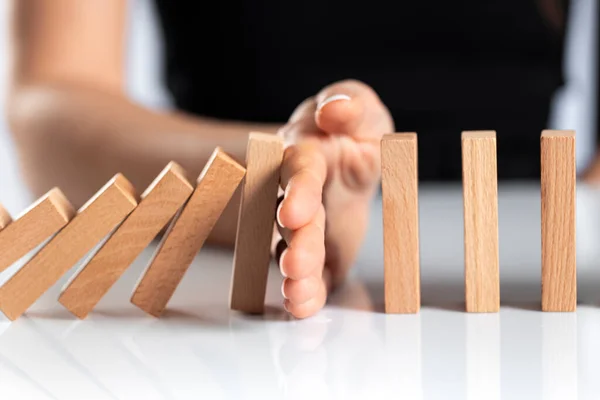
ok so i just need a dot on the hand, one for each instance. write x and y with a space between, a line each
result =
592 173
330 172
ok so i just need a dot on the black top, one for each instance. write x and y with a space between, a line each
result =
440 66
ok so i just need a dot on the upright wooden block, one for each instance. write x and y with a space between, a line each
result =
102 213
37 223
5 218
480 197
255 223
399 183
187 233
160 202
558 180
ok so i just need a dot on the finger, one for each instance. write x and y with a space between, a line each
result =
301 123
300 130
303 174
302 290
352 108
305 253
306 109
280 233
309 308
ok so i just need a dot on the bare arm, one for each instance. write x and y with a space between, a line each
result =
73 125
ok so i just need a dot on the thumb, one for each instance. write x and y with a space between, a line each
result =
352 108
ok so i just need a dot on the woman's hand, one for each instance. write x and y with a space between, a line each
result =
330 172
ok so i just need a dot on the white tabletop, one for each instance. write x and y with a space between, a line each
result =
199 349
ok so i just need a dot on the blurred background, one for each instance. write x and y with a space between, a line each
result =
573 108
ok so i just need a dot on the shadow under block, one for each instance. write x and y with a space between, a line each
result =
187 233
5 218
255 223
480 200
38 222
160 202
399 184
101 214
558 180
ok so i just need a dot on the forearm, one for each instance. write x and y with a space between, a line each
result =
77 138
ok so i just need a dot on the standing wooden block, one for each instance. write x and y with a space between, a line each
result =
187 233
399 183
480 197
160 202
559 271
255 224
37 223
5 218
102 213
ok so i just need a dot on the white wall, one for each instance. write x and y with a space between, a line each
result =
574 105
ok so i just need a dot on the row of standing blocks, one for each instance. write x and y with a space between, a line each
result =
129 223
480 199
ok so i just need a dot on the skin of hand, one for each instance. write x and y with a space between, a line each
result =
592 174
330 173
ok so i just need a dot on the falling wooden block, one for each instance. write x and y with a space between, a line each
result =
160 202
558 180
255 223
37 223
187 233
5 218
480 197
399 182
101 214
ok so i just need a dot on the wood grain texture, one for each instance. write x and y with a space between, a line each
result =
38 222
399 184
95 219
187 233
255 223
5 218
480 199
558 182
160 202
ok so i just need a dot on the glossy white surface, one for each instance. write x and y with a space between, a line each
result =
200 349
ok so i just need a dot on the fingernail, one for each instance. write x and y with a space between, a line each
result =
283 290
277 214
283 253
331 99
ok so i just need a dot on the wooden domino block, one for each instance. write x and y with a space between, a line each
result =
187 233
160 202
5 218
399 183
255 224
480 197
37 223
101 214
558 180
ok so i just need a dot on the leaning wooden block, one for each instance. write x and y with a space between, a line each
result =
5 218
480 197
37 223
255 223
187 233
160 202
558 180
101 214
399 183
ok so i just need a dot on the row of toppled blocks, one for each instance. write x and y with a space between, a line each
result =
480 197
129 223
